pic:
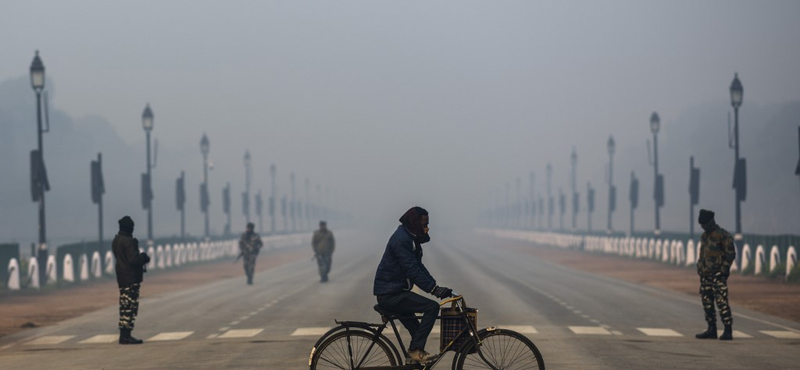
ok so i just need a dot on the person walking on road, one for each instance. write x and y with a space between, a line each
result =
130 268
399 270
323 244
717 253
249 246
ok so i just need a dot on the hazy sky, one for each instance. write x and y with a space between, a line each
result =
400 103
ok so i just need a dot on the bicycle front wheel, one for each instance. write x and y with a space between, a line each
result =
348 349
502 350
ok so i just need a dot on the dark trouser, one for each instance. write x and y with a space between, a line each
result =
128 306
324 264
249 266
408 303
714 289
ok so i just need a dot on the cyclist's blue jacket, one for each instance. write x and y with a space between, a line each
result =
401 266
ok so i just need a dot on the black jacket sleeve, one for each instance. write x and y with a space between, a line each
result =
132 254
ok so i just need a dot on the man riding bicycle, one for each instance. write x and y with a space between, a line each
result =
399 270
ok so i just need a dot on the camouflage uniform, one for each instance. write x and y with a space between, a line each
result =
249 246
717 253
323 244
128 306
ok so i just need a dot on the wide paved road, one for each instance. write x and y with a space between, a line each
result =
578 320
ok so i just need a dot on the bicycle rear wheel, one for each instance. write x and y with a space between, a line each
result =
503 350
341 352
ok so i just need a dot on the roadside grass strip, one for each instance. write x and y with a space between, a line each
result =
178 335
781 334
659 332
50 339
590 330
299 332
241 333
102 338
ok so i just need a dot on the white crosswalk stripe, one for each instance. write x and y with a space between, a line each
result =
522 329
50 339
781 334
590 330
102 338
310 331
170 336
659 332
241 333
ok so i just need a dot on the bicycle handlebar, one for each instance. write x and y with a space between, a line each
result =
455 297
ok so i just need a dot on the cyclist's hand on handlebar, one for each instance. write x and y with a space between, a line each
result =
442 292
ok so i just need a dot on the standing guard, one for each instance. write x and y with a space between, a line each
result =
130 267
249 246
323 244
717 253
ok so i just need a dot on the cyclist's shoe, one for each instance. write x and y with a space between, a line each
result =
419 356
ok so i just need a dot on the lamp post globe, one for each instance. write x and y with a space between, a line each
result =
737 91
204 146
611 145
655 123
147 118
37 73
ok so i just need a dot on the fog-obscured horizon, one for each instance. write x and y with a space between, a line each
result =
386 105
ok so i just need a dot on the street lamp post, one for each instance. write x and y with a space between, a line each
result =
658 181
292 205
533 202
272 200
633 197
147 124
737 92
246 202
549 197
40 185
309 224
574 160
204 149
612 192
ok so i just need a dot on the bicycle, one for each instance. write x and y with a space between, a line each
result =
356 345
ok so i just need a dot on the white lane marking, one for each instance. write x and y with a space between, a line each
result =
50 339
310 331
102 338
606 326
241 333
235 323
252 313
570 307
244 318
577 312
262 309
178 335
659 332
212 336
781 334
616 332
224 328
585 316
589 330
522 329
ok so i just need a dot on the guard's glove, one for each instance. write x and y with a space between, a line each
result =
145 258
442 292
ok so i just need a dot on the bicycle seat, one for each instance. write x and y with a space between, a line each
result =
384 312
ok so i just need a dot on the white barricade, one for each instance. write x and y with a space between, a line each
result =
109 263
33 273
84 267
168 256
791 260
746 256
774 258
690 255
52 269
159 262
13 274
680 252
69 271
760 259
97 270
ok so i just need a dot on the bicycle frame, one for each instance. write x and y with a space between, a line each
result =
377 330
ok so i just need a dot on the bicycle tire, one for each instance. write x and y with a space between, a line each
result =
504 349
333 353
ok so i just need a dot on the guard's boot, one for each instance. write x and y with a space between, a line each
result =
249 280
419 356
727 334
710 333
126 338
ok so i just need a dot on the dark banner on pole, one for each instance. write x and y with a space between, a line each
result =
98 186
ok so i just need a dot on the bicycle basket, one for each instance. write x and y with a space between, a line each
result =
452 324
